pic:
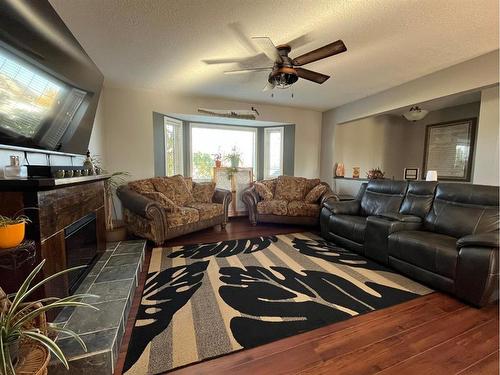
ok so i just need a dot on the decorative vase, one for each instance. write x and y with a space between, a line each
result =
218 163
340 171
11 235
355 172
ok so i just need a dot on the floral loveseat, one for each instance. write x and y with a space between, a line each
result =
162 208
286 199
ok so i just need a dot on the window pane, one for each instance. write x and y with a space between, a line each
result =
273 152
208 140
173 147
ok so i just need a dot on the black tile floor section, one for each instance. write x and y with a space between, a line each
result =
113 278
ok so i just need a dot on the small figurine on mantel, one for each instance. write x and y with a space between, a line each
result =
88 164
340 170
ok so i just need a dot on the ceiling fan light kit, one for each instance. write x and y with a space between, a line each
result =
285 71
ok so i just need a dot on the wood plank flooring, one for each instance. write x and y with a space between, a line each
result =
433 334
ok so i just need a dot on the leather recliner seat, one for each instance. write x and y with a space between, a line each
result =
345 222
445 235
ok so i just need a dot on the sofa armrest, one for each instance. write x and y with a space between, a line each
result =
250 197
402 218
342 208
223 197
488 239
328 195
137 203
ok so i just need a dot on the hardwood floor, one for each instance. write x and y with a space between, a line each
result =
433 334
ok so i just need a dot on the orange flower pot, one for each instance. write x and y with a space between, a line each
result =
11 235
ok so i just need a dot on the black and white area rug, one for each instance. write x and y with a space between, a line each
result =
203 301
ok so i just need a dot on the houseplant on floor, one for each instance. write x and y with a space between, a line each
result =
17 317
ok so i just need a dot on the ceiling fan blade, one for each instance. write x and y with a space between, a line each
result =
299 41
239 71
320 53
221 61
268 86
244 62
267 46
311 76
242 36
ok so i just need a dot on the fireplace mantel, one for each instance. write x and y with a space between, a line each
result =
59 203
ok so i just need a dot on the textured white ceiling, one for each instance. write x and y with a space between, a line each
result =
158 44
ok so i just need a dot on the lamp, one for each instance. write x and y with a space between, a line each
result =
431 176
415 113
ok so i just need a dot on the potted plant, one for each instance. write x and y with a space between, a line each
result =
375 174
12 230
115 229
218 160
17 316
234 158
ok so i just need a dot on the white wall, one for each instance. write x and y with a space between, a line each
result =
474 74
486 166
128 132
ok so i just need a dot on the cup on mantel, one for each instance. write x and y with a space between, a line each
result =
431 176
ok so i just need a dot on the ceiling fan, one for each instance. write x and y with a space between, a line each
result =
284 71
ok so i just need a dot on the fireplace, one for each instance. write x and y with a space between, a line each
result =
81 249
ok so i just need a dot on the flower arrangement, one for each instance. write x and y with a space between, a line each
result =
218 159
375 173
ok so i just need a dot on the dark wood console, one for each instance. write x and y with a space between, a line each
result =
59 203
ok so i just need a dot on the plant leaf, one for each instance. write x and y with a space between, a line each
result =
70 333
49 344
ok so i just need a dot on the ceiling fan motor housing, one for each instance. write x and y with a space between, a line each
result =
283 74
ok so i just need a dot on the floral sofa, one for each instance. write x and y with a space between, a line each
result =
162 208
286 199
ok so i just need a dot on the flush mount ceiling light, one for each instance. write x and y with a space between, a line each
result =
415 113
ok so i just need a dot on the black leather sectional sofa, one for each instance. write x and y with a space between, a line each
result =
442 234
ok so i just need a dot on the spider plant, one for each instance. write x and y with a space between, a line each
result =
17 314
7 220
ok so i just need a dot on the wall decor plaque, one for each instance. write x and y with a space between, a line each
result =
449 149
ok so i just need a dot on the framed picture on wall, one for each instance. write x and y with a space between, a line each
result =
449 149
411 174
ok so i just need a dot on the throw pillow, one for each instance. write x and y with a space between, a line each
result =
264 192
203 191
142 186
271 184
290 188
310 184
315 193
162 200
174 188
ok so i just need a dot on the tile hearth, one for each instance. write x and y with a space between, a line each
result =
113 278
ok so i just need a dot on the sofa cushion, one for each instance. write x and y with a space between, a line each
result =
462 209
433 252
189 183
162 200
290 188
382 196
207 210
271 184
263 190
142 186
184 216
315 193
203 192
301 208
351 227
174 188
418 198
311 183
272 207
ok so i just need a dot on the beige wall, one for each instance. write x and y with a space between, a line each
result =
128 132
486 166
389 141
471 75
